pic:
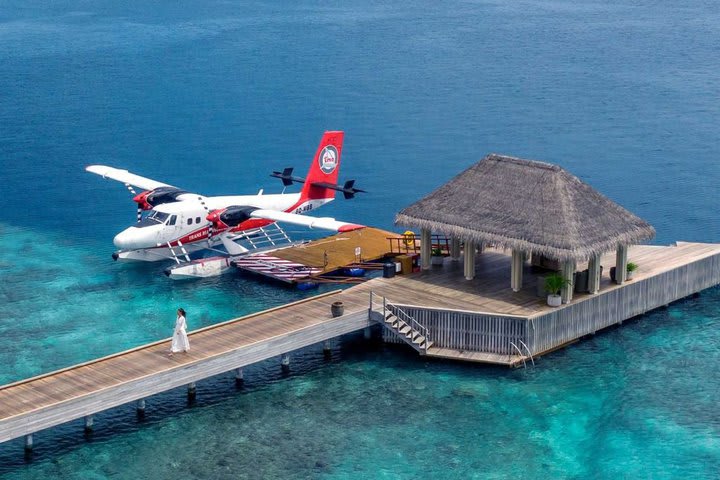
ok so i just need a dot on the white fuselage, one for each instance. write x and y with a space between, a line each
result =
184 223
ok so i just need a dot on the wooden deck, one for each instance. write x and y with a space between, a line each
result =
483 320
319 257
446 288
339 249
473 320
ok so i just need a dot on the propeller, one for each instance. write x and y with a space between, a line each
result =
134 194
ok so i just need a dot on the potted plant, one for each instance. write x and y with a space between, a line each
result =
437 257
631 267
553 284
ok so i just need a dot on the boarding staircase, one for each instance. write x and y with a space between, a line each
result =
395 319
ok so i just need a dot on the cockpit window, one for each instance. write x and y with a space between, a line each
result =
172 220
159 217
154 218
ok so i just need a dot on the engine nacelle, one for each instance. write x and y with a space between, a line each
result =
152 198
229 217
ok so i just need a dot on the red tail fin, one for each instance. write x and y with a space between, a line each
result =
325 167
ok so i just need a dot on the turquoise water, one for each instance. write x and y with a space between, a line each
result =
212 96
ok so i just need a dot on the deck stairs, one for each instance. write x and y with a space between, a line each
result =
395 319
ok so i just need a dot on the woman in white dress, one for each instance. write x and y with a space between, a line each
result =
180 342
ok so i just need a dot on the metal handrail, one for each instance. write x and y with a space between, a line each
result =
528 350
270 235
522 357
403 316
412 323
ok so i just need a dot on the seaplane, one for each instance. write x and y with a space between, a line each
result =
173 223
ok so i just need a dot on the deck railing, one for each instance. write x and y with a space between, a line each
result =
410 243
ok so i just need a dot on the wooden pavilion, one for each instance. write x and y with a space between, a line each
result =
532 208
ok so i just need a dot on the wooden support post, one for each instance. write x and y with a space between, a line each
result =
367 333
425 248
327 351
88 423
140 407
455 249
469 255
285 362
192 392
568 271
621 264
239 377
594 274
516 275
29 442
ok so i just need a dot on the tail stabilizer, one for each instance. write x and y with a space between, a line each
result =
325 167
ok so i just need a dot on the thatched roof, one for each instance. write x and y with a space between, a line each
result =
527 205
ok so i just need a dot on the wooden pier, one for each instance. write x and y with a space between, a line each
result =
80 391
313 260
437 312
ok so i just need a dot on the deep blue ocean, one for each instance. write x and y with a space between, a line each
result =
213 95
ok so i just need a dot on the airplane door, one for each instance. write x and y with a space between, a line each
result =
174 224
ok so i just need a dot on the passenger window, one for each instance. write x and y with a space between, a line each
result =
197 220
189 221
172 220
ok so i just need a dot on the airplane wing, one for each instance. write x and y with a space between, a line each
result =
125 177
325 223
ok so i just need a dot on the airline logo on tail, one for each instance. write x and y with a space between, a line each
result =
328 159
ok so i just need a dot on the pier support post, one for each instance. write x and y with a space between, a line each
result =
367 333
621 264
191 392
239 376
285 362
140 408
516 276
425 248
327 351
88 423
469 257
28 442
594 274
568 271
455 249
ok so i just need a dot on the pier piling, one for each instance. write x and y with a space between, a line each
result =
29 442
239 377
191 392
285 362
88 424
327 352
140 408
